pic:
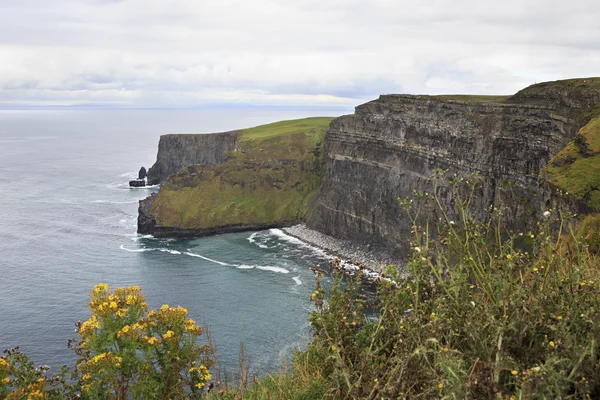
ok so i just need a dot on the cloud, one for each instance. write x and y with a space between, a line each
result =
289 52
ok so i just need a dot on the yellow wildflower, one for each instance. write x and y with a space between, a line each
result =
153 341
168 334
515 372
551 344
441 386
5 380
164 307
446 349
508 256
100 287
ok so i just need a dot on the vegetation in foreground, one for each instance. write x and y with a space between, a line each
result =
479 313
124 352
270 178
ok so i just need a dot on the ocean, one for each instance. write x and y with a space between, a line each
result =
68 222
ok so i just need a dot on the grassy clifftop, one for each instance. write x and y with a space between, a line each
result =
269 178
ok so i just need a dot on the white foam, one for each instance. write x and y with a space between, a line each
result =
138 237
273 269
134 250
144 187
297 280
114 202
128 174
142 250
175 252
205 258
241 266
293 240
252 239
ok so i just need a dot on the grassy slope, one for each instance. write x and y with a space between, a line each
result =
270 178
576 168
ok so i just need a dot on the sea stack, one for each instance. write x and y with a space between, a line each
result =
141 180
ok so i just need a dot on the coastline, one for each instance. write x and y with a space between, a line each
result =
353 255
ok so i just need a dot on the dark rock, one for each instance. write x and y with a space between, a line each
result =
179 151
142 174
137 183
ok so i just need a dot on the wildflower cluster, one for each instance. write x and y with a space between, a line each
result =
125 349
124 352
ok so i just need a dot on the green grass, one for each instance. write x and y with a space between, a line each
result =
271 178
316 126
469 98
576 168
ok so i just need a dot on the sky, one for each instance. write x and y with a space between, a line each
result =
317 53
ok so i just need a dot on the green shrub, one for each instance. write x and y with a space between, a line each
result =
478 312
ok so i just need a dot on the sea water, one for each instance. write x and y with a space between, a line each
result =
68 222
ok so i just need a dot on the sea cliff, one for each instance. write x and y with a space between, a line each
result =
251 179
524 148
391 146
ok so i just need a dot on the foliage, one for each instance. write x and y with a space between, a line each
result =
124 352
478 313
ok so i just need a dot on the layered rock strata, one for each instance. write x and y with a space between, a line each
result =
391 146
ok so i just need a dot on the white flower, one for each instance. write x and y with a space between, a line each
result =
546 213
451 222
417 249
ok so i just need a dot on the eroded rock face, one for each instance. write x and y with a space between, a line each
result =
391 146
178 151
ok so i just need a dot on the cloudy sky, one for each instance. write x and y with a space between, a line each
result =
172 53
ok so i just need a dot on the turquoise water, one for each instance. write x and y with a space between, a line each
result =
69 222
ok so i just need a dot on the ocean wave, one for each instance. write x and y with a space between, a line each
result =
281 235
189 253
175 252
140 237
273 269
135 250
297 280
253 239
145 249
114 202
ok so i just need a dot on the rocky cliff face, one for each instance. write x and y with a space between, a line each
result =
391 146
178 151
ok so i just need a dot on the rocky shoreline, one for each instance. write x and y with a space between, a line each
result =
350 252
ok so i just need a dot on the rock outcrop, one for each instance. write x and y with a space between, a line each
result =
178 151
